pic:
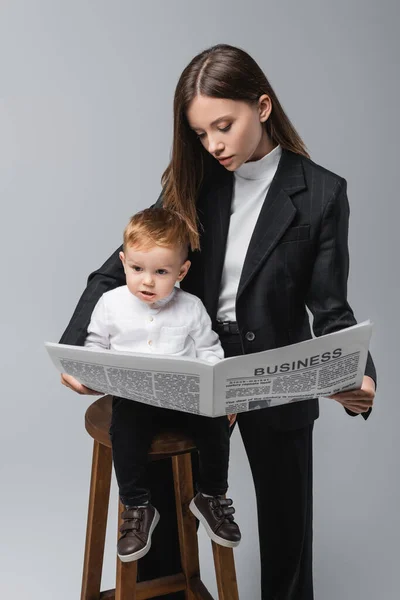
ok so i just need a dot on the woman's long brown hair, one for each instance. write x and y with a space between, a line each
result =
221 71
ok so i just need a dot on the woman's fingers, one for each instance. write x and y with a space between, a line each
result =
73 384
231 419
353 403
360 400
355 395
356 403
357 408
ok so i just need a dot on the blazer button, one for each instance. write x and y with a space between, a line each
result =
250 336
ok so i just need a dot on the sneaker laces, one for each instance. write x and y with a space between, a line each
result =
222 508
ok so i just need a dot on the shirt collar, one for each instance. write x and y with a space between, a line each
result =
163 302
262 168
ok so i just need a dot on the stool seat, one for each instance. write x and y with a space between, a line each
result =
97 424
176 446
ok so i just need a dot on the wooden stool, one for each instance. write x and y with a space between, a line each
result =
167 445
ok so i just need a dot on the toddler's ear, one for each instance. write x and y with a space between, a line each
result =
122 258
183 270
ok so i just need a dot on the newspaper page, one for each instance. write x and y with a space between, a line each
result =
318 367
180 384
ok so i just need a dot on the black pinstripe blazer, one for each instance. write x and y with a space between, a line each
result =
297 258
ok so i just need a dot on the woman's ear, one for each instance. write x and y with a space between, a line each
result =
264 107
183 270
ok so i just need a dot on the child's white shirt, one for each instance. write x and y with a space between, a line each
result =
178 325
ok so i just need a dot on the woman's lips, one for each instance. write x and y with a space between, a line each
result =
225 161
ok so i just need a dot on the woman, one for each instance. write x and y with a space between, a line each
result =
272 228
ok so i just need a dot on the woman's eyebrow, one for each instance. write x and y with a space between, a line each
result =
223 118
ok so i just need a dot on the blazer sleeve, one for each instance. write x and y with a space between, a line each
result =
109 276
327 294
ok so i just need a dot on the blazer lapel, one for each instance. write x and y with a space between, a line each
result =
276 215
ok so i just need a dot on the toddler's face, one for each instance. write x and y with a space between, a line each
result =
151 274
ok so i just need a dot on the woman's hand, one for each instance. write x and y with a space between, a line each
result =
231 419
73 384
358 401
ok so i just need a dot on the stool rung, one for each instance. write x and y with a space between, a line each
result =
155 587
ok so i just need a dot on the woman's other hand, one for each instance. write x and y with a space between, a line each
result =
358 401
231 419
73 384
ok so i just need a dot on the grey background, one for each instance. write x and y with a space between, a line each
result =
86 91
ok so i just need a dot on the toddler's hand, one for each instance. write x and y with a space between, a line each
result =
73 384
231 419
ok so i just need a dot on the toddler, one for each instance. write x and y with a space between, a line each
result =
150 314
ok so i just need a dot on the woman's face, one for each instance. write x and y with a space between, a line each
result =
231 129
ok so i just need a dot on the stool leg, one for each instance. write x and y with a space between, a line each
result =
96 521
183 482
125 588
225 572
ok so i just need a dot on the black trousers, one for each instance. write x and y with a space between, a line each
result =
133 427
281 465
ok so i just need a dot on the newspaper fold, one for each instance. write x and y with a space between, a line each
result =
318 367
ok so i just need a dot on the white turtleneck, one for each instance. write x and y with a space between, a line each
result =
251 184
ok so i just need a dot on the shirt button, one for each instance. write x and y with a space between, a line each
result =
151 319
250 336
149 342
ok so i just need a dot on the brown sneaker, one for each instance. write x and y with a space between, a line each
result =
139 523
216 514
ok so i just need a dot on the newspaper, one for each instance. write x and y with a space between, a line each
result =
318 367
